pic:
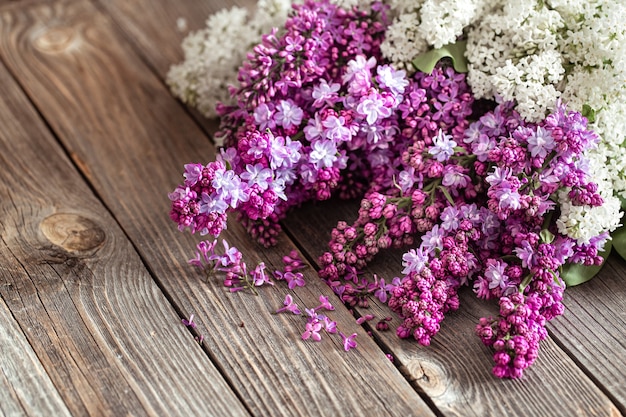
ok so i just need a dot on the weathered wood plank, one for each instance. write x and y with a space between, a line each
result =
593 328
107 337
154 30
152 27
25 388
455 370
132 146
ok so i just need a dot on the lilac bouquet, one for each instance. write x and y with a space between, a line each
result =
486 207
479 195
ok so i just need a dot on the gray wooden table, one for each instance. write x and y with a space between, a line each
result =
94 281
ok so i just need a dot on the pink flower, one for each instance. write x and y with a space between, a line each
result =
348 341
289 306
312 330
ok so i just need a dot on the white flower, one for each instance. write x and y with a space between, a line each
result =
213 55
323 153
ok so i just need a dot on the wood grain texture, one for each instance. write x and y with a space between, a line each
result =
106 336
593 327
455 371
153 28
25 388
131 145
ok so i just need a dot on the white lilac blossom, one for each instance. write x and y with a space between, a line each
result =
213 54
423 24
534 53
585 223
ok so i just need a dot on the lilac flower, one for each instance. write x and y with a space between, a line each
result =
224 181
228 156
504 188
323 93
348 341
443 147
263 116
525 252
189 323
259 143
289 305
237 193
508 198
313 315
294 279
212 204
193 173
394 80
454 177
413 261
278 153
259 276
365 318
375 134
312 330
540 143
432 240
482 146
335 129
231 256
204 254
481 288
258 175
278 187
329 325
293 148
288 114
499 175
314 129
406 179
325 304
382 289
373 108
494 273
180 194
450 218
357 65
323 153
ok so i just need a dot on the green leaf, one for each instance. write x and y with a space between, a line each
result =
456 52
619 241
446 194
574 274
546 236
589 112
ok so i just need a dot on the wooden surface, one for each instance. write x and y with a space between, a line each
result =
94 281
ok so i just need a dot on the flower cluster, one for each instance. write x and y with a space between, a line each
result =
485 178
532 53
486 209
423 24
214 53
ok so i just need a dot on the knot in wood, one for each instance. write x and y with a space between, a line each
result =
72 232
54 40
430 377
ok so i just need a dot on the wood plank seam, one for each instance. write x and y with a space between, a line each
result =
605 390
79 168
